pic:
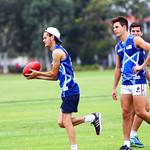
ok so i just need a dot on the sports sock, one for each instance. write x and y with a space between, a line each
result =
133 134
74 147
127 143
89 118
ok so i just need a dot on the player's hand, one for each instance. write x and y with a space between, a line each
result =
32 75
136 68
114 94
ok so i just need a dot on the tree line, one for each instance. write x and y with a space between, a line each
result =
84 25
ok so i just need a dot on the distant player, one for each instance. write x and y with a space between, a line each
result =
137 30
62 71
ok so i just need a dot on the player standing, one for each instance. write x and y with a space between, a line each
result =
130 61
137 30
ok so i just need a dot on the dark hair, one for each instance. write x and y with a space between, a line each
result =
136 24
122 20
56 40
49 34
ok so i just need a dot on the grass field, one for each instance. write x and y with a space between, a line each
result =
29 112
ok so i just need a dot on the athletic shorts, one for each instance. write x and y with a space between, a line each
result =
70 103
137 89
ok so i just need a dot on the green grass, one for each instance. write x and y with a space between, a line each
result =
29 111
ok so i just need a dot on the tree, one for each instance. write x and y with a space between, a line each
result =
8 24
84 25
40 14
96 24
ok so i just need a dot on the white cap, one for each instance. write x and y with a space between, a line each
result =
55 32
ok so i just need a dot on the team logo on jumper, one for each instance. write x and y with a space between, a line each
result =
128 47
136 77
138 90
121 49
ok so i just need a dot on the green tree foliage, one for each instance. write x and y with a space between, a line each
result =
73 33
84 25
96 24
40 14
9 23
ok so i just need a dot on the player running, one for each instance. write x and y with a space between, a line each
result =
62 71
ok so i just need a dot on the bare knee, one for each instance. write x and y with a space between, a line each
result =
140 114
147 108
61 125
65 122
126 114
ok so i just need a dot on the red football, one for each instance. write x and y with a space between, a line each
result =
32 65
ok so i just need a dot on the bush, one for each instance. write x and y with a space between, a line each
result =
12 69
1 70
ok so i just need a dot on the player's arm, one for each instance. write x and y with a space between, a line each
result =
117 75
46 78
50 75
141 44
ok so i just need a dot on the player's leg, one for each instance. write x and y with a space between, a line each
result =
60 119
147 107
139 102
64 121
127 114
69 127
137 121
132 117
75 120
134 140
95 119
70 104
127 110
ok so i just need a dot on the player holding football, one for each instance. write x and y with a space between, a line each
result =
62 71
130 61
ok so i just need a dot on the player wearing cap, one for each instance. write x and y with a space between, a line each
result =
62 70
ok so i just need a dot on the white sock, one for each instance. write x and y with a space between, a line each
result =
133 134
89 118
74 147
127 143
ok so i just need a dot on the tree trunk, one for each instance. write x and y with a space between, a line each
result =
5 54
47 60
5 61
47 56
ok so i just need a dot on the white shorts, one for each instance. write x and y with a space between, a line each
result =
137 89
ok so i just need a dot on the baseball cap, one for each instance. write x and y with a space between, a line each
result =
55 32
